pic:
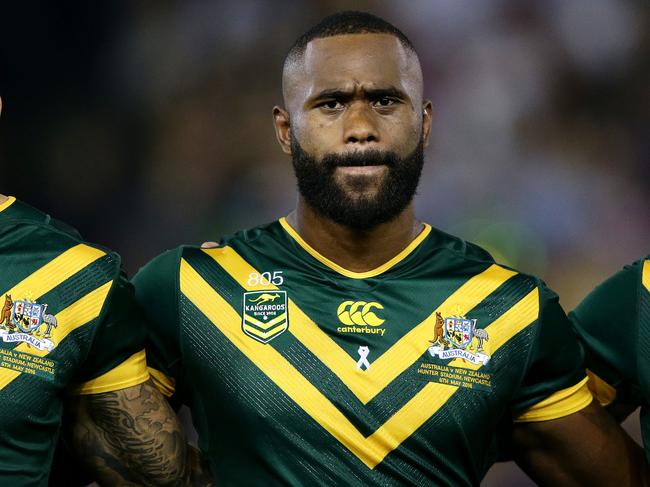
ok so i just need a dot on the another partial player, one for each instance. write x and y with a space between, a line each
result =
70 333
613 323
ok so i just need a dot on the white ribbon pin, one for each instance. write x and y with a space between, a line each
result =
363 358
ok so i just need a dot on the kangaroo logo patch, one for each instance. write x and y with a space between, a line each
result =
265 315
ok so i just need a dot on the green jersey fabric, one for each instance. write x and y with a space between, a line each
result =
68 324
299 372
613 323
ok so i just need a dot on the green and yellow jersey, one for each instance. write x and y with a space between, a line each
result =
613 323
300 372
68 324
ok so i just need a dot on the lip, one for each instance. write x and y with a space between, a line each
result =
361 170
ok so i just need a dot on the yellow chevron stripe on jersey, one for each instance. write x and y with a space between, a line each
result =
77 314
645 278
55 272
356 275
265 326
265 334
370 450
367 384
7 203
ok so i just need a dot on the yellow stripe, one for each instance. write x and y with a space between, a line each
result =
265 334
265 326
392 433
646 274
367 384
131 372
601 390
165 384
356 275
77 314
7 203
559 404
55 272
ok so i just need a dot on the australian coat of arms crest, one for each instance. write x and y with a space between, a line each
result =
24 320
458 337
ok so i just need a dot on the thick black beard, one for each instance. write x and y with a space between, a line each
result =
320 190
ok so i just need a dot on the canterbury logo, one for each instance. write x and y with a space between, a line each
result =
359 313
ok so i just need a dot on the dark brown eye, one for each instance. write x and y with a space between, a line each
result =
384 101
332 105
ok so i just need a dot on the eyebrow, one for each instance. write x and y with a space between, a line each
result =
339 94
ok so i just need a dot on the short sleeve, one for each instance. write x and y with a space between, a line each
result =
156 290
606 323
554 380
116 359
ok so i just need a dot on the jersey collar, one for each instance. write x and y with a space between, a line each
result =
356 275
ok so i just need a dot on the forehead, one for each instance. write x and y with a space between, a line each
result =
372 60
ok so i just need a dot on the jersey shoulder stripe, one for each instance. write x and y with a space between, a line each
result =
131 372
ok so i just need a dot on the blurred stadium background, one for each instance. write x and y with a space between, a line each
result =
147 124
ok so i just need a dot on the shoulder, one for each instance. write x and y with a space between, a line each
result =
268 239
161 269
466 257
619 291
458 247
258 236
20 214
30 232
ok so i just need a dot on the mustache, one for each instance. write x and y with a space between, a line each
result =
361 158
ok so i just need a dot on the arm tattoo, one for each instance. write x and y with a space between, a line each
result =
130 437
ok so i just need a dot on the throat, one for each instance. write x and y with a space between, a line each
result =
357 251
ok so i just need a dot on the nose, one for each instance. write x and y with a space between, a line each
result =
359 125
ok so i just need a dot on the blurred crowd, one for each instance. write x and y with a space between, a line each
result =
148 124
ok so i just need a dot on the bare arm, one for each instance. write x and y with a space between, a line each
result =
584 448
132 437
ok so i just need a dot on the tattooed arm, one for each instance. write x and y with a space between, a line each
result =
132 437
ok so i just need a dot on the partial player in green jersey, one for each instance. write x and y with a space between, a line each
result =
613 323
70 333
351 344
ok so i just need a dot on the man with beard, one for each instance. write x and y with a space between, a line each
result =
350 343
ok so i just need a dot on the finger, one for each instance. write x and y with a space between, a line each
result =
209 245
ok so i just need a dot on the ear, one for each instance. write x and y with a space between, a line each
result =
427 119
282 126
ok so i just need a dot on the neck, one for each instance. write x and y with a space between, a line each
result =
355 250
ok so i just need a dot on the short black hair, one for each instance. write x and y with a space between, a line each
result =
347 22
